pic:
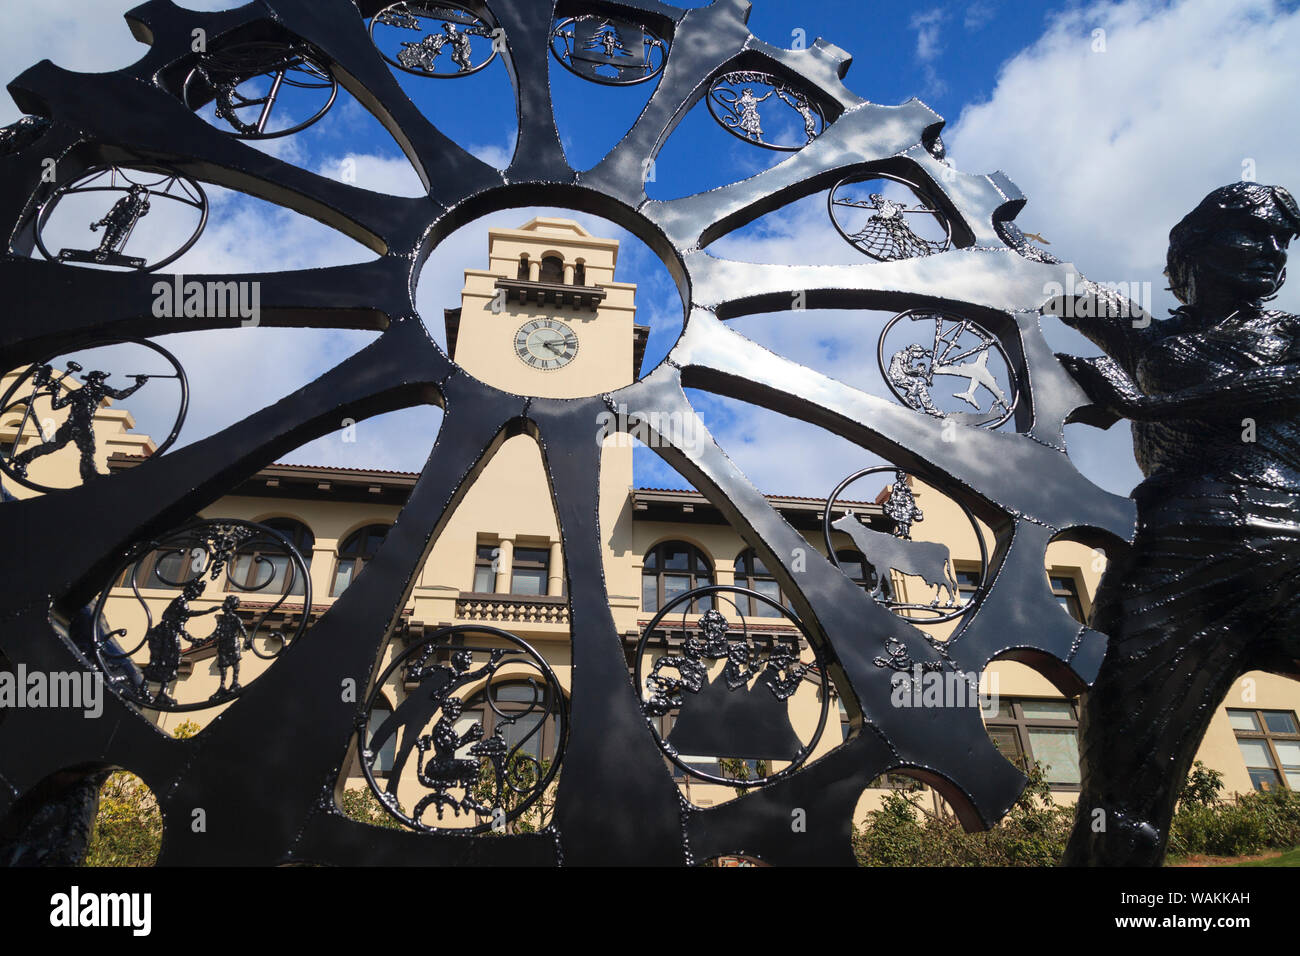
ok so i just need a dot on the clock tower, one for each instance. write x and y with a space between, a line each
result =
546 318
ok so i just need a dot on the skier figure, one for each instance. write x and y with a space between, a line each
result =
78 428
120 220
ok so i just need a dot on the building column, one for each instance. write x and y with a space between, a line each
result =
505 564
534 270
568 273
555 571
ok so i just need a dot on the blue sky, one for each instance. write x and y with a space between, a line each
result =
1111 145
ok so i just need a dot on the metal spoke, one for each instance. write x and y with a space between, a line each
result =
704 40
539 154
975 277
717 358
256 745
148 124
391 373
56 303
607 727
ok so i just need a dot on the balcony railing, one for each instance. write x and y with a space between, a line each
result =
513 608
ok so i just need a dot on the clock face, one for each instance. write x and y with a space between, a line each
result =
546 344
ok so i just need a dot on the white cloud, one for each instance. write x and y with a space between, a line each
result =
978 14
927 26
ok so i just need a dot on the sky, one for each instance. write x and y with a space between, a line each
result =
1114 118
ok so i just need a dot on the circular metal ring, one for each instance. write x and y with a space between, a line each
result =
415 12
994 342
921 246
689 598
563 48
746 125
232 536
199 201
970 516
523 652
237 71
8 403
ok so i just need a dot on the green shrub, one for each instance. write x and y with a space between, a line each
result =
1247 824
128 824
364 807
903 833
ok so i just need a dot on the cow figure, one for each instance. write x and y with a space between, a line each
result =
927 560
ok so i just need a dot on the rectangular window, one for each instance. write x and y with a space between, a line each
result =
529 573
485 575
1269 741
1029 731
1066 589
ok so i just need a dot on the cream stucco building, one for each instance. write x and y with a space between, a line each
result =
548 317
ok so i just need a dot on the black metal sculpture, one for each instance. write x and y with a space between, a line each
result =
1207 591
40 390
288 733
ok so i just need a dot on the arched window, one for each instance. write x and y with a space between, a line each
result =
671 568
752 573
580 273
523 267
265 559
552 269
516 708
358 549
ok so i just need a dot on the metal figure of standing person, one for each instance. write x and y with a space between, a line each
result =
227 634
121 221
1207 592
164 639
749 121
79 427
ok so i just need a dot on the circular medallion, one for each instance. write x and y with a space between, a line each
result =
608 50
716 689
485 722
913 577
763 110
888 217
441 40
58 397
923 354
249 577
247 82
116 199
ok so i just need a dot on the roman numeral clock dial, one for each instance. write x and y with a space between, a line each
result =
546 344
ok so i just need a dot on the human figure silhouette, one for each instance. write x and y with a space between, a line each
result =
437 683
79 427
164 638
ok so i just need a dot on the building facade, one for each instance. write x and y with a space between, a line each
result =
547 317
